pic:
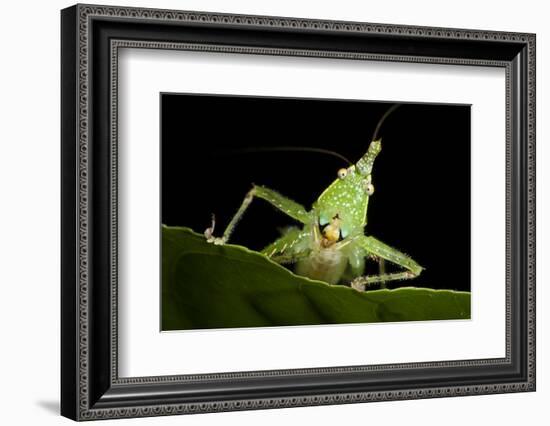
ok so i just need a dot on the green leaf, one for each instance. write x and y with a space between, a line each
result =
210 286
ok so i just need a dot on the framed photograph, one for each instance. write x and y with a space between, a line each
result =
329 242
263 212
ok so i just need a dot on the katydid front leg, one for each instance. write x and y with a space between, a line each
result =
286 205
292 246
376 247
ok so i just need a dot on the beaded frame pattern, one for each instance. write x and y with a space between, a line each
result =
86 12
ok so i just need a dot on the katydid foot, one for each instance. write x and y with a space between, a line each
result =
209 234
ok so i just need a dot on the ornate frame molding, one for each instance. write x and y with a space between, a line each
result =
90 401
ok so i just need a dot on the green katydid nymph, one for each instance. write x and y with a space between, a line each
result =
332 245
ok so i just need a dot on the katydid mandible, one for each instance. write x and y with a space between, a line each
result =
331 245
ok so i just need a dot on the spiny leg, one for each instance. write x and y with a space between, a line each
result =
373 246
289 248
286 205
382 270
209 232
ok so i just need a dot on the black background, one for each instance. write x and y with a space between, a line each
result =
421 203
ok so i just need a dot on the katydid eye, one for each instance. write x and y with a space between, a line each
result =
342 173
369 189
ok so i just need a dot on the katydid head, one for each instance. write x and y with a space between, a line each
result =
342 207
347 197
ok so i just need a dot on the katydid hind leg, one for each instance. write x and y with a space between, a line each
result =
381 250
382 270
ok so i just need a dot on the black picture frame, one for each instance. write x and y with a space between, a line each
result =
90 38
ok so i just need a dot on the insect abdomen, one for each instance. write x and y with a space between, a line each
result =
325 265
